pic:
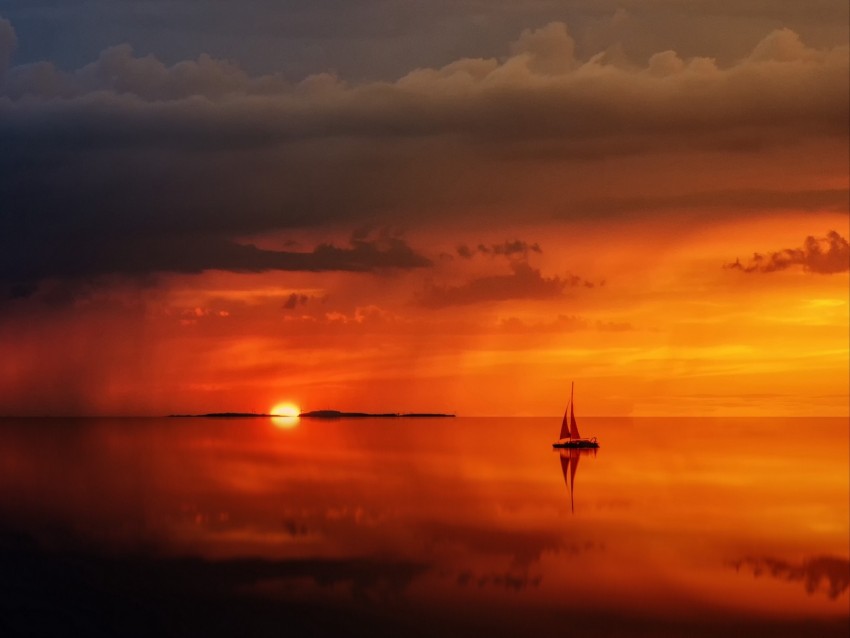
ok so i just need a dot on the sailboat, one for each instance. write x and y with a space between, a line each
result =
569 436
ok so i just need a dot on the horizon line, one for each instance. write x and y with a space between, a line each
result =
343 412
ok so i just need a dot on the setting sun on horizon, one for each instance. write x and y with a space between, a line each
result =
285 409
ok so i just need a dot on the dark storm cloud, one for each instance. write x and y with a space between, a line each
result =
125 102
385 38
108 166
524 282
8 40
197 254
541 91
824 255
836 199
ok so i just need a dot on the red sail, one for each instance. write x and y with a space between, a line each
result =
573 427
565 426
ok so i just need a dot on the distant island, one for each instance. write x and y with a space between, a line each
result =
240 415
317 414
336 414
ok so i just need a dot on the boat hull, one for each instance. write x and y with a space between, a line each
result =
581 443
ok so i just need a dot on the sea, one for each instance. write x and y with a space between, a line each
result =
424 527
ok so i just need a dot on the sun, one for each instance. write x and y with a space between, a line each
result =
285 409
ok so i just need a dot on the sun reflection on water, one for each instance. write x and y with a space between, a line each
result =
285 422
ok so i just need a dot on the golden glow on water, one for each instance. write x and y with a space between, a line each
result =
672 518
286 422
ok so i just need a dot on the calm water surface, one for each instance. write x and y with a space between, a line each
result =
423 527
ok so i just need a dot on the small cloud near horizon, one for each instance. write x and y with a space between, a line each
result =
524 282
822 255
294 300
508 248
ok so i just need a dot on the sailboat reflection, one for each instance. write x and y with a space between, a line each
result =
569 465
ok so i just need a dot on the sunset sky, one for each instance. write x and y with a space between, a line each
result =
436 206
